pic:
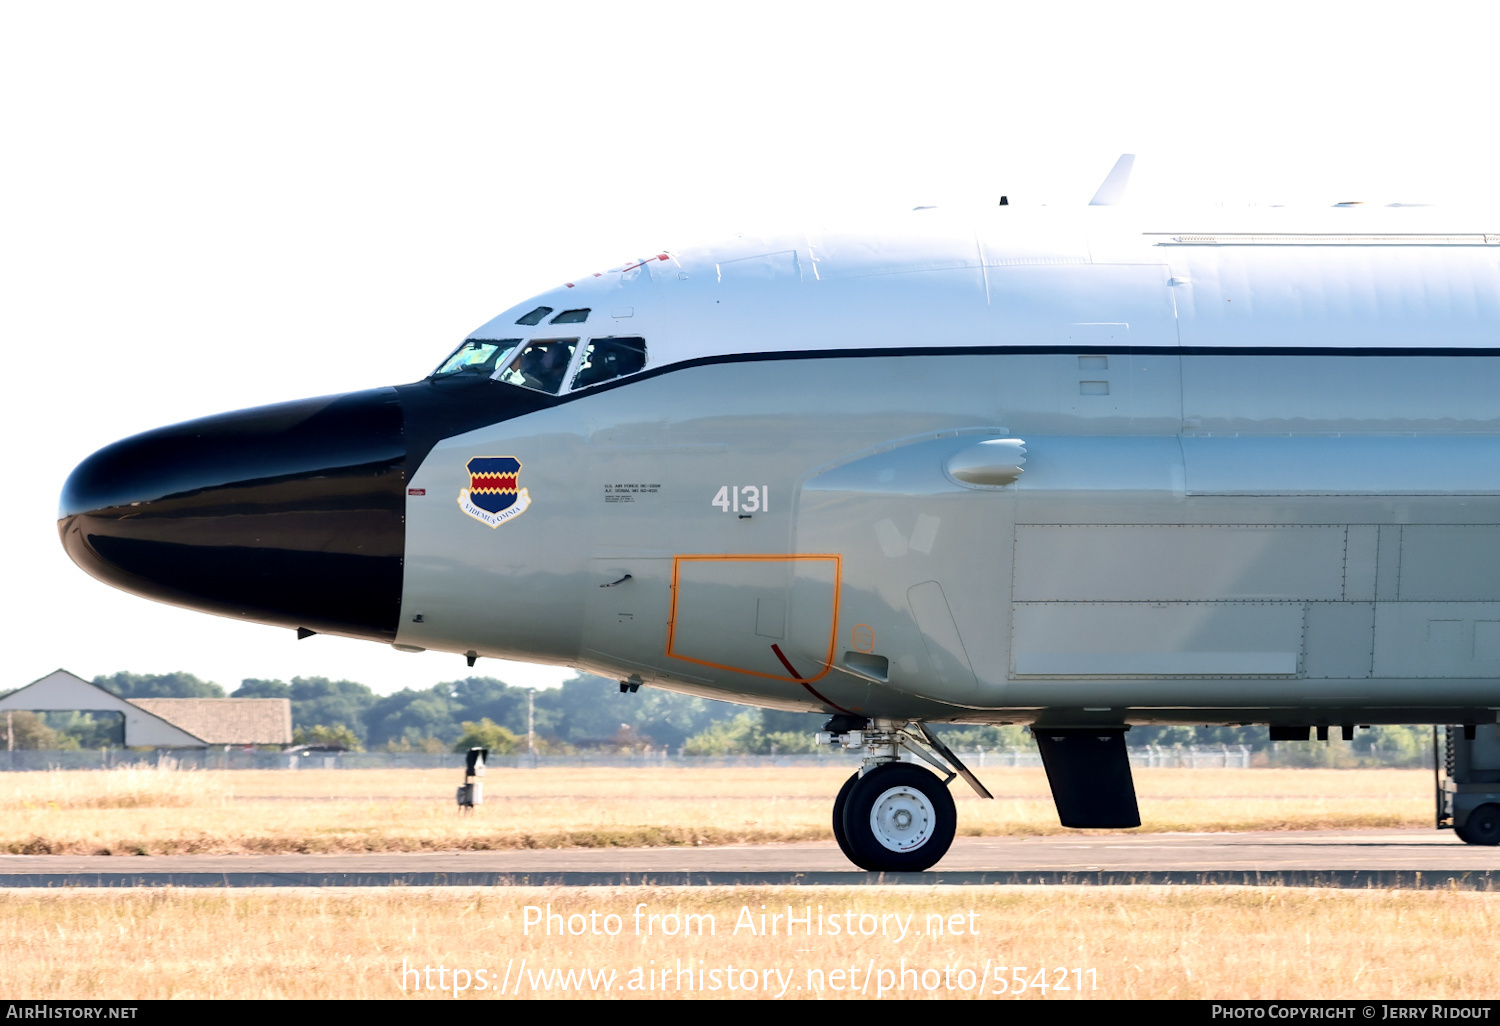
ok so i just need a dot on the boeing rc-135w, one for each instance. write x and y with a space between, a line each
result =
1073 469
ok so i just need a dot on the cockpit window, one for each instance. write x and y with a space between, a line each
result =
609 358
571 317
477 356
535 317
542 364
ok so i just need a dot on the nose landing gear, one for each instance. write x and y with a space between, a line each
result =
893 816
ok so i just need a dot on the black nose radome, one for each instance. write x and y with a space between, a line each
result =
289 514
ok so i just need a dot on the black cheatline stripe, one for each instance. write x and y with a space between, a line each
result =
434 413
1047 350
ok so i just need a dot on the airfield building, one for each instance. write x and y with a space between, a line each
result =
162 722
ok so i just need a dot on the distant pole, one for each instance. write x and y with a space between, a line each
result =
10 731
531 724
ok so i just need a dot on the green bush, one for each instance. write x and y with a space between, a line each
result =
30 733
745 734
486 734
338 734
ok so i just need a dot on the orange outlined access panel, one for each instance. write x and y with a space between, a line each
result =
770 616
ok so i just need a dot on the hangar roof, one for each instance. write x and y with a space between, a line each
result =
227 721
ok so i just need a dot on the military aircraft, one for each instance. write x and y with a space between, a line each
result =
1078 469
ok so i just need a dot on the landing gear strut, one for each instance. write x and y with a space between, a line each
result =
893 816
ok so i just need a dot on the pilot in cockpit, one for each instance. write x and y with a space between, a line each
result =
542 367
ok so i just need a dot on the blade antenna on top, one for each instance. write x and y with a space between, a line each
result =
1115 184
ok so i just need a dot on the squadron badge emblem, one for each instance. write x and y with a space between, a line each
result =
493 495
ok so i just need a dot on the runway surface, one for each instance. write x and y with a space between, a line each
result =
1353 858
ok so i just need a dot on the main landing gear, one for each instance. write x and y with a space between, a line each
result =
1468 785
1482 826
893 816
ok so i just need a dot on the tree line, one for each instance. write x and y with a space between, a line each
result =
589 713
585 713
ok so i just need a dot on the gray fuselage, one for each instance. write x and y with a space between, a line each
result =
1286 512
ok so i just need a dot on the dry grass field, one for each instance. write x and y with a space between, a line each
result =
146 811
1122 942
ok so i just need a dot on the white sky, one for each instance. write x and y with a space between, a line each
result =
211 206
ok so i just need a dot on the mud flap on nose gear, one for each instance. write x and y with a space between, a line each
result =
1089 771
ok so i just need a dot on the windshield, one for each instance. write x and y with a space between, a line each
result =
608 358
477 356
541 364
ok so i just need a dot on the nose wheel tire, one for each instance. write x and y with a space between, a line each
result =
1482 826
897 818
